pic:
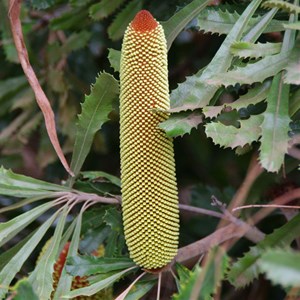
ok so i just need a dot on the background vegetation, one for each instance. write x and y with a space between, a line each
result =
234 73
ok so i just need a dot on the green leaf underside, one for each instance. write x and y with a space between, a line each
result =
140 289
254 96
195 92
24 290
89 265
281 266
246 269
11 228
275 126
103 9
292 75
216 20
97 286
245 49
180 19
181 123
95 110
125 16
41 278
255 72
289 7
9 271
232 137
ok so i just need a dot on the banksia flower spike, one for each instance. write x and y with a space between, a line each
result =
77 282
149 190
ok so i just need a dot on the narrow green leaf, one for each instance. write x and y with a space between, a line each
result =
246 49
254 96
255 72
216 20
23 290
232 137
275 126
113 219
194 92
25 185
114 57
12 85
246 269
140 289
11 228
180 19
181 123
9 271
283 5
281 266
42 276
76 41
94 114
120 23
65 281
98 175
294 26
98 286
103 9
184 275
89 265
41 4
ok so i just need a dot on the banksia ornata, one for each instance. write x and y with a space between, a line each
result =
149 191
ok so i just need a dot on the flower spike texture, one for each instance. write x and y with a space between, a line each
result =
149 189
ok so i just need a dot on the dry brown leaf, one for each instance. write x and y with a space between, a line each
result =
41 98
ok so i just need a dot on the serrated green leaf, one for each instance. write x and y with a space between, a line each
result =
281 266
12 227
120 23
283 5
98 286
212 274
70 19
23 290
95 110
246 49
183 275
180 19
89 265
246 269
41 278
275 126
98 175
230 136
254 96
217 20
9 271
294 26
41 4
194 92
292 75
181 123
294 104
103 9
113 219
251 73
140 289
114 57
187 287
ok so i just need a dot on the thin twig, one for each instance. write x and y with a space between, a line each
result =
266 205
159 286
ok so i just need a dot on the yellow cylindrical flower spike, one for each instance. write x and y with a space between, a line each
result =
149 190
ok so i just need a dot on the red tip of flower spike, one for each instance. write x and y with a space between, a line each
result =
143 21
